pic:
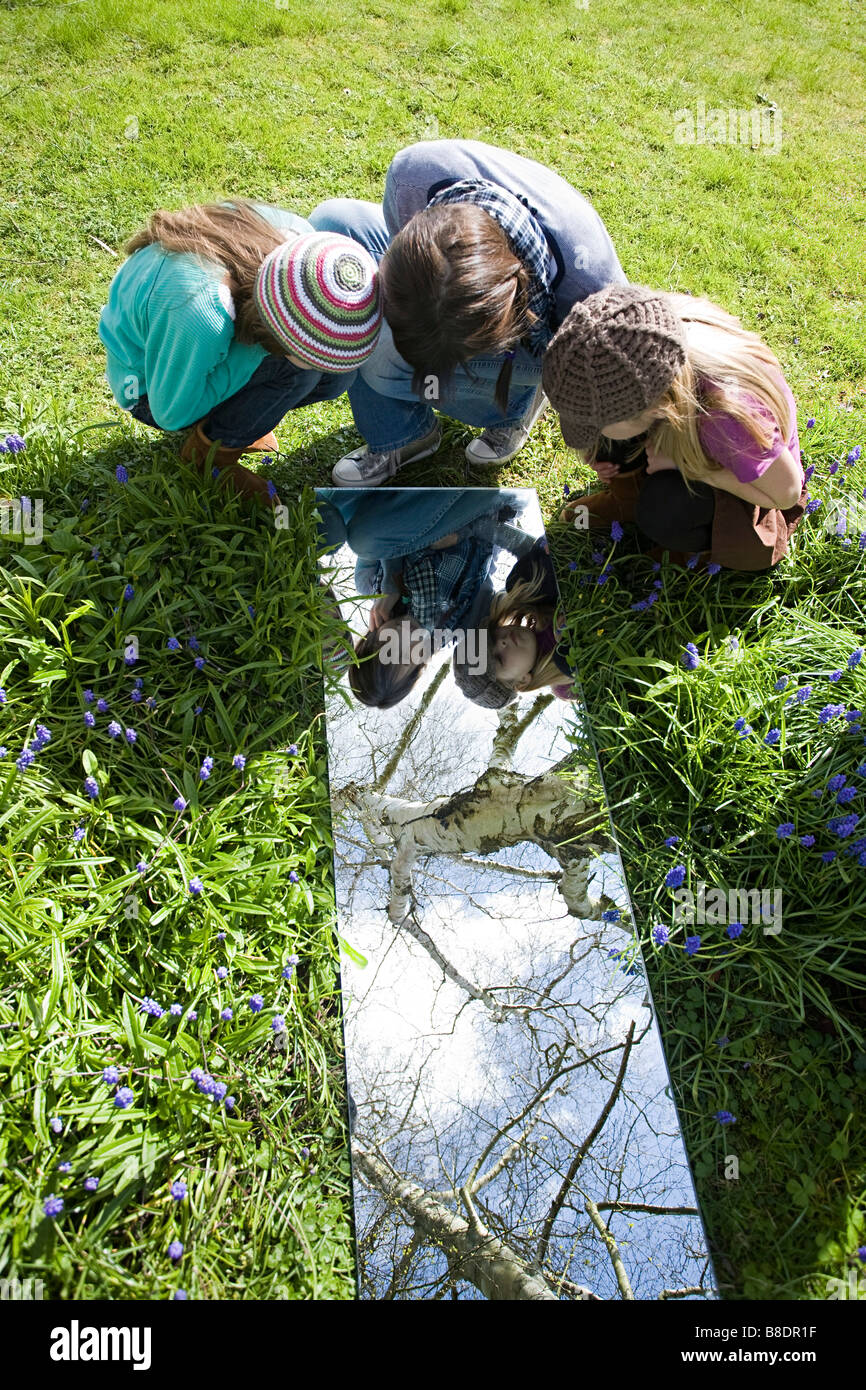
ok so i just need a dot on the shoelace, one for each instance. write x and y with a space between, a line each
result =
374 463
501 435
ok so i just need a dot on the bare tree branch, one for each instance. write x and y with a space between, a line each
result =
615 1257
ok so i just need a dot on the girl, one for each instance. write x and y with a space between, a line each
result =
436 591
227 315
482 254
522 638
688 419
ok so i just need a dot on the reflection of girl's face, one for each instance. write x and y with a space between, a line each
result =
515 652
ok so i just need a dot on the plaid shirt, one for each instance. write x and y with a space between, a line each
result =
528 243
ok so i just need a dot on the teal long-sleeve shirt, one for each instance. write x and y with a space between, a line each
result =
168 330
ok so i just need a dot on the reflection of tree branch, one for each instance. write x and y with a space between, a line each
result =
410 925
684 1293
511 728
493 1267
401 1267
502 809
578 1292
615 1257
408 733
650 1210
556 1205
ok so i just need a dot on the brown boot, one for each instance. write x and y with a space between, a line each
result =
616 502
196 449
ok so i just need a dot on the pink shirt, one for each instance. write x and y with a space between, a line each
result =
729 443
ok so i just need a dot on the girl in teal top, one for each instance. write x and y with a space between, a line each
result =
226 316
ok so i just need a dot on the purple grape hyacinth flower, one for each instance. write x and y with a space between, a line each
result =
195 886
256 1003
690 657
56 1124
785 830
239 761
91 1184
52 1206
293 877
676 876
124 1098
735 930
807 841
131 736
278 1023
693 945
661 935
111 1076
102 706
173 644
178 1190
222 972
91 786
725 1117
78 834
855 658
227 1015
175 1251
121 474
89 719
115 729
773 737
179 803
129 592
616 531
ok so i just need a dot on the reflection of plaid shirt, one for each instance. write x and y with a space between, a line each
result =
433 579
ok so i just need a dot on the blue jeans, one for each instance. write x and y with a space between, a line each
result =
387 412
274 388
389 522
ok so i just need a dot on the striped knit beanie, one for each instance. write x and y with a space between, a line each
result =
320 296
614 356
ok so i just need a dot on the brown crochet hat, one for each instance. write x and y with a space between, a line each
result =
480 687
614 356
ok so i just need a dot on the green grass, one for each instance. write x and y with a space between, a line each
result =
111 109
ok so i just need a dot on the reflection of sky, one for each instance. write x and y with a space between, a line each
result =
434 1075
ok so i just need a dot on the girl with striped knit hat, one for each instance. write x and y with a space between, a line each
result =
225 316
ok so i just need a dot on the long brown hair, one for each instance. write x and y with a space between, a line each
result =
232 235
453 289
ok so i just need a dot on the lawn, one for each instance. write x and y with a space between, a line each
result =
112 109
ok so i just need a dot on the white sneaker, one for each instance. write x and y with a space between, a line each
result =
500 443
361 468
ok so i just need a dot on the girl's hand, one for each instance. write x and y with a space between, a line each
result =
606 470
656 462
381 611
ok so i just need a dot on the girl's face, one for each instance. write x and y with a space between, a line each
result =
515 652
401 644
638 424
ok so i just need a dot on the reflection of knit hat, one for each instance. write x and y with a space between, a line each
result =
481 688
614 356
319 295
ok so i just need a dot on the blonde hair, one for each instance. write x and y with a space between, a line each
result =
724 362
233 235
517 606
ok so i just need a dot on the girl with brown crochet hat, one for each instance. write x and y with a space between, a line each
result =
687 418
522 630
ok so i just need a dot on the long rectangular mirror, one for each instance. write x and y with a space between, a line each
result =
513 1130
